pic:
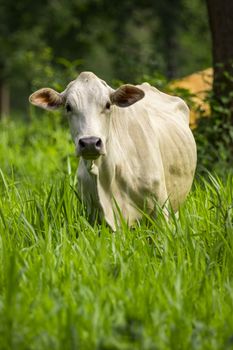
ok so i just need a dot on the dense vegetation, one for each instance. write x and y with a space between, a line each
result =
67 285
48 43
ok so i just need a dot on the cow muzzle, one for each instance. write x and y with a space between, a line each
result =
90 147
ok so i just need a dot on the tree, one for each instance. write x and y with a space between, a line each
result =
19 28
41 42
221 26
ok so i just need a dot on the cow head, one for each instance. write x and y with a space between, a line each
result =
88 103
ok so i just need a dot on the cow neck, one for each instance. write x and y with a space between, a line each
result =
92 167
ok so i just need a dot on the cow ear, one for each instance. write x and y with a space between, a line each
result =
47 99
126 95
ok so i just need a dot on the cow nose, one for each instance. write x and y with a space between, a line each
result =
90 143
90 147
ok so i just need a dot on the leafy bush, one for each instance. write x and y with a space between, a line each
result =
214 136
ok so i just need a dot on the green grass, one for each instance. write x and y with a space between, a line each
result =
67 285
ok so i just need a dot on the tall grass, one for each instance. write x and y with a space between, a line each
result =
67 285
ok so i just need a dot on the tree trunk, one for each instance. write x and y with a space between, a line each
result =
221 26
4 100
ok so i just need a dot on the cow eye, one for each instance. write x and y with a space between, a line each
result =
108 105
68 108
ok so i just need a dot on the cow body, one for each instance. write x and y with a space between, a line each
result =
140 153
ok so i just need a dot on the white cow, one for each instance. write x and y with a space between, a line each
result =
135 145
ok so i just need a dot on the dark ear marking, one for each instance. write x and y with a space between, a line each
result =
126 95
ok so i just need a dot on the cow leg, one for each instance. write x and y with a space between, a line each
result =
163 199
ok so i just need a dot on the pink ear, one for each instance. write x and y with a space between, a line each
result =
126 95
46 98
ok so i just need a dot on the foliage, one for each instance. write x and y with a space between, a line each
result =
124 41
24 155
214 135
67 285
156 79
214 139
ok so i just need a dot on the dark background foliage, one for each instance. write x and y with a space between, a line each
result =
49 42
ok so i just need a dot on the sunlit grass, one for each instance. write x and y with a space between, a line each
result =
67 285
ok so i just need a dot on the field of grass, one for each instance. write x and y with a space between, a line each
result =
67 285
